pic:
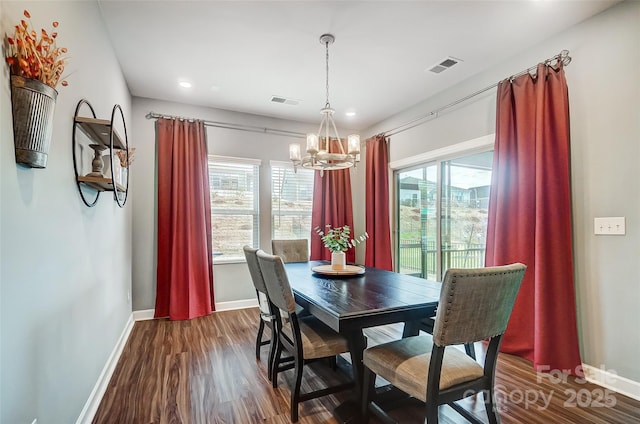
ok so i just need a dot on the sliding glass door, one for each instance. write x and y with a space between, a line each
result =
442 215
417 221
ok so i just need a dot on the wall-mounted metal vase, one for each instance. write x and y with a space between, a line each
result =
33 108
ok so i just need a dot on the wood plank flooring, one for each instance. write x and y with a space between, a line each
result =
204 371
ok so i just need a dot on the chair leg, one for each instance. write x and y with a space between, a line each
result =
490 405
259 338
470 350
333 363
272 353
295 393
276 364
431 413
368 389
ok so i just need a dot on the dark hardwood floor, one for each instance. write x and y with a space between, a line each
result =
204 371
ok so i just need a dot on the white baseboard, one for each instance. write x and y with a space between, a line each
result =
237 304
612 381
91 406
147 314
143 315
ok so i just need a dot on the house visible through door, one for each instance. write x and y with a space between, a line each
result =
442 215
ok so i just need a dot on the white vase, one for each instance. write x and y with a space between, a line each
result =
106 170
338 261
124 175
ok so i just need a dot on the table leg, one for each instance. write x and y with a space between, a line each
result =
349 411
411 328
357 345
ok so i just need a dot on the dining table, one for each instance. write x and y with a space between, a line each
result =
363 297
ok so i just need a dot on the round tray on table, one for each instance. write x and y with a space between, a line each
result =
328 270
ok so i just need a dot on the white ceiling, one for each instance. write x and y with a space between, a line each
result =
238 54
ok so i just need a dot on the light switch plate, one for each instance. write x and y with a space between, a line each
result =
612 226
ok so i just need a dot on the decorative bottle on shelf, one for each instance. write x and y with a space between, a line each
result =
124 174
106 160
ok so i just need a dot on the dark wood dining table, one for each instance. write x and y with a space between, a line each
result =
350 303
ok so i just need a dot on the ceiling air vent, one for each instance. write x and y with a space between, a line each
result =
284 100
444 65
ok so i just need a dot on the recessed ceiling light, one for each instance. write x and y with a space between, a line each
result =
350 113
185 84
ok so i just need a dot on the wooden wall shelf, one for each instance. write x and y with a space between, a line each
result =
98 130
101 184
103 137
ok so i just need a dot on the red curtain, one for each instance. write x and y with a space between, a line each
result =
530 217
378 247
332 205
185 265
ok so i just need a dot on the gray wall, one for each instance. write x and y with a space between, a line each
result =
65 269
231 280
604 92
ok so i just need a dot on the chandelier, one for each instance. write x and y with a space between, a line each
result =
318 156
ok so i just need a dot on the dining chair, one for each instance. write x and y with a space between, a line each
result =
266 317
305 338
475 304
291 250
294 250
427 324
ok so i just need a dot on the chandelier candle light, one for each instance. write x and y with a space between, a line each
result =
318 156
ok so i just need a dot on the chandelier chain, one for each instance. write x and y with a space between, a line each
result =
319 156
327 105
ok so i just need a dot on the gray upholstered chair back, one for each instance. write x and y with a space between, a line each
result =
291 250
254 268
476 304
258 279
275 278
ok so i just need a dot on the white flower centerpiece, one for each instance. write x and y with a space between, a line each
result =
338 240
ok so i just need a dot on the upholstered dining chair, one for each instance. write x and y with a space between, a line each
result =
475 304
266 317
427 324
305 338
291 250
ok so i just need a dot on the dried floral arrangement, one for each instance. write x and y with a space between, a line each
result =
122 155
34 57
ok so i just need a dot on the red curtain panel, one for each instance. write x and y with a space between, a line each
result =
530 217
185 264
332 205
378 246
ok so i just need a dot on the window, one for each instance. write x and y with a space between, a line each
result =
442 215
234 206
291 201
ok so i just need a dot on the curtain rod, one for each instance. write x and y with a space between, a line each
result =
231 126
563 57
